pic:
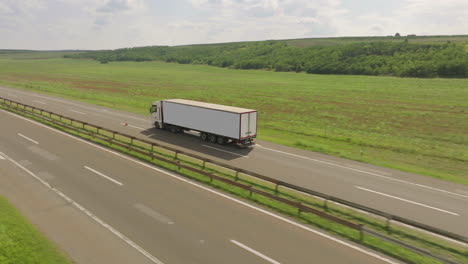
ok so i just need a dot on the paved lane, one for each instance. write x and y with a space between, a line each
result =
343 178
171 218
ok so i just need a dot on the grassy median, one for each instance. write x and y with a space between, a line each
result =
21 242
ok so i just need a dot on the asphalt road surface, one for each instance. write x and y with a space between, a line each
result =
433 202
166 218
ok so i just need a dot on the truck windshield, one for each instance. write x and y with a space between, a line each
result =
153 109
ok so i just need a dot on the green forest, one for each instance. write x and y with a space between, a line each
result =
396 58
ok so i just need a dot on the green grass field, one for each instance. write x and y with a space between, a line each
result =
416 125
33 55
21 242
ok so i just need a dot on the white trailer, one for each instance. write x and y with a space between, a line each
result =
216 123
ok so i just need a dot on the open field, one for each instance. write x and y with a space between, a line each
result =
416 125
33 55
20 242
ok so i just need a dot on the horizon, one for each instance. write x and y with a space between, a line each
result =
215 43
112 24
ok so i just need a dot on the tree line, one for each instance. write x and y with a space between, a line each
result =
373 58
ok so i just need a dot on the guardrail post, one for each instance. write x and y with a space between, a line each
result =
276 188
203 165
299 210
178 167
176 155
236 177
113 135
325 205
387 224
361 232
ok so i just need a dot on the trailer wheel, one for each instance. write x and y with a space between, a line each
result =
204 136
221 140
212 138
173 129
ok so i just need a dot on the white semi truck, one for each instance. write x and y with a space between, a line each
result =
216 123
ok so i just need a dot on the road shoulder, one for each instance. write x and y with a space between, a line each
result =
80 237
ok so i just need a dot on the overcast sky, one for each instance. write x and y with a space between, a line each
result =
109 24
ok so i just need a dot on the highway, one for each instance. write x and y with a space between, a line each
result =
427 200
165 217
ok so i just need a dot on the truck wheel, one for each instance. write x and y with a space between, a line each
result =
212 138
173 129
221 140
156 125
204 136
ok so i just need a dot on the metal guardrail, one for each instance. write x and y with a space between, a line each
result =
407 246
301 207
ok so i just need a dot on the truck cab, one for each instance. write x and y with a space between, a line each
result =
156 114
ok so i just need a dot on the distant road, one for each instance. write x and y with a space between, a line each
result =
423 199
165 217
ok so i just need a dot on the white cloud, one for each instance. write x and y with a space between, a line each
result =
421 17
5 9
113 6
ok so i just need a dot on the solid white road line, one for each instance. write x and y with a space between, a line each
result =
366 172
255 252
182 179
78 112
25 137
133 126
226 151
2 158
39 102
84 210
408 201
102 175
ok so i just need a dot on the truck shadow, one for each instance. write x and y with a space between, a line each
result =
191 142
